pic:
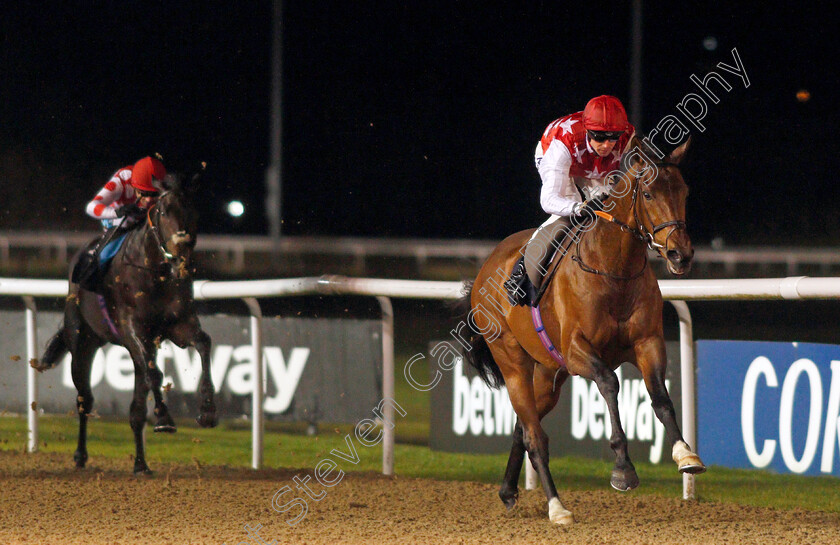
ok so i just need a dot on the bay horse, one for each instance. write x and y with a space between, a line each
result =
602 307
147 296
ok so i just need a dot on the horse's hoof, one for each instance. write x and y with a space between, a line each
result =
559 514
624 481
143 472
509 498
165 428
687 461
692 466
80 458
207 420
165 423
39 365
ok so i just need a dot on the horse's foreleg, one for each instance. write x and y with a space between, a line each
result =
207 417
651 361
590 366
509 492
189 333
163 422
137 420
142 353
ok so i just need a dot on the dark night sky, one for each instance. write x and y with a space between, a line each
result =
416 118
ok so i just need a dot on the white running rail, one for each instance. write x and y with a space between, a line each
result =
676 291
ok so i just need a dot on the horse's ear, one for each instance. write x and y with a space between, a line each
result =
170 182
198 174
679 153
634 142
163 185
193 182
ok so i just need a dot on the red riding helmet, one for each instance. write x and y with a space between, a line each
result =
605 113
144 171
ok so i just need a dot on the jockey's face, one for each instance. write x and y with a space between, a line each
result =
603 148
145 199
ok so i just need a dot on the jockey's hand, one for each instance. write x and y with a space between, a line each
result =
578 208
130 210
595 203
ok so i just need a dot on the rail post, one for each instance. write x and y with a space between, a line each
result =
31 374
689 403
257 420
388 432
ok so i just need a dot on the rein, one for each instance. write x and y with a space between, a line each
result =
159 239
160 243
586 268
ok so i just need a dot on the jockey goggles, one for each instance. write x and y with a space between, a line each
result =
603 136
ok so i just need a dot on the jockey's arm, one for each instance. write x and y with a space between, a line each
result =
559 195
100 207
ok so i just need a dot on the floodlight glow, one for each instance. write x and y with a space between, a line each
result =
710 43
235 208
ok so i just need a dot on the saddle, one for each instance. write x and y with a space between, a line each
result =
92 265
559 238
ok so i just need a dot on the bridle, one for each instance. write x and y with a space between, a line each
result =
640 233
650 234
168 257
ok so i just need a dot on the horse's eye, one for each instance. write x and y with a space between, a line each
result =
647 195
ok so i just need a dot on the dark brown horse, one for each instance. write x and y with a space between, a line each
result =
601 308
147 297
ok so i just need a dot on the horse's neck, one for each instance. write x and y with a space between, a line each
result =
612 249
142 246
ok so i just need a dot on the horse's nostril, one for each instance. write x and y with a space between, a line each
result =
674 256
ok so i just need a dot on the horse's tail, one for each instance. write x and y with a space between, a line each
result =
479 356
56 349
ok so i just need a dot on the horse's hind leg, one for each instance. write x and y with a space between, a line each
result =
189 333
519 380
547 391
83 348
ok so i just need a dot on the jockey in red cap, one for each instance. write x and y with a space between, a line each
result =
573 156
129 192
127 195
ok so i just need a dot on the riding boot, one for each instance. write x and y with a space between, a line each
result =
529 272
87 272
519 288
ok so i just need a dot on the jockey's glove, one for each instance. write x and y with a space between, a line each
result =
130 210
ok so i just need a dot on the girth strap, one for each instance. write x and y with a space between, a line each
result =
546 342
106 316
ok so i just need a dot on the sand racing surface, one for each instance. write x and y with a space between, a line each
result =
44 500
